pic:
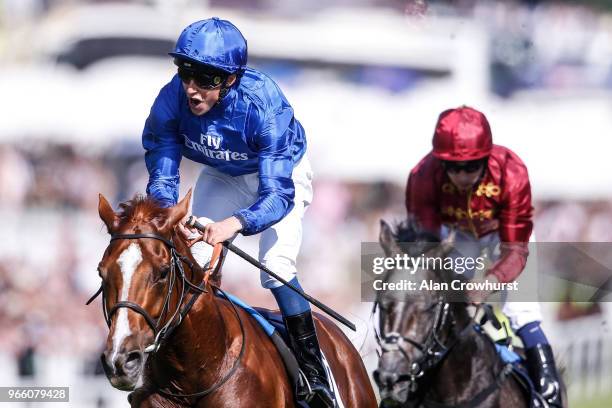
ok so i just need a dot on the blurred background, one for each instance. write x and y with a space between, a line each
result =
367 80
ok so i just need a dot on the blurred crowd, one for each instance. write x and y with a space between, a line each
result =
42 294
533 44
64 177
45 281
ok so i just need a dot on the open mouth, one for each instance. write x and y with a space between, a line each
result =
123 383
390 403
394 396
126 374
194 102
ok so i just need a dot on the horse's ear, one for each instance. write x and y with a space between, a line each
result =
387 239
107 214
179 211
445 247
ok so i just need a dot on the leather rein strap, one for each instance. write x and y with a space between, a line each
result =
232 370
176 265
433 352
161 334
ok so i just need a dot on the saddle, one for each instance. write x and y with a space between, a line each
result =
272 323
510 355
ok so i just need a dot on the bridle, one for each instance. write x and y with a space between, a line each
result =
161 334
432 349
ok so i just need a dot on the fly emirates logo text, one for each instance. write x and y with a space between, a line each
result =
210 146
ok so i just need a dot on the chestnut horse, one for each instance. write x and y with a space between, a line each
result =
175 343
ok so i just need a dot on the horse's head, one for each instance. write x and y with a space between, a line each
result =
137 271
407 322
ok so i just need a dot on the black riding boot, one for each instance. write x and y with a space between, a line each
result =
543 372
304 343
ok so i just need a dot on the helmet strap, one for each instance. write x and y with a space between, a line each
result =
224 89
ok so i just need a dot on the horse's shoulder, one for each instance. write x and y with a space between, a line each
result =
326 323
328 331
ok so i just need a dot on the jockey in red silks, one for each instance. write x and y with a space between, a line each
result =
482 191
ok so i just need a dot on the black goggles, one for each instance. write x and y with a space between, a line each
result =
206 80
467 166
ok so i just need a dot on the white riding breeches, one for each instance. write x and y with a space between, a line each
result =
519 313
217 196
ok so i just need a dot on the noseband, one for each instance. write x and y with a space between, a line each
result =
160 333
433 352
432 349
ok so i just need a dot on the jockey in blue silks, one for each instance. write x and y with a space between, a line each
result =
255 177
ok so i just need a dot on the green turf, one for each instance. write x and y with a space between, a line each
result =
599 402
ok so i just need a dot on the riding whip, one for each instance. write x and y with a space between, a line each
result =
192 221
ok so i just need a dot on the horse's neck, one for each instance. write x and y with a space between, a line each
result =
194 357
201 340
196 274
470 357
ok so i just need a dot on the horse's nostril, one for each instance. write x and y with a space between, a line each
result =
133 360
385 378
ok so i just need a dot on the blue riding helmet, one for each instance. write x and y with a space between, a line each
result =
213 42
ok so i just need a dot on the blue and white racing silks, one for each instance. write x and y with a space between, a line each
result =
251 130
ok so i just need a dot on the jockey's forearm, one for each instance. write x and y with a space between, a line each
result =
511 262
267 211
163 163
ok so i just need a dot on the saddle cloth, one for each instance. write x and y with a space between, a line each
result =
519 370
272 323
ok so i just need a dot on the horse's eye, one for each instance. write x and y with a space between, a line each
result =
163 272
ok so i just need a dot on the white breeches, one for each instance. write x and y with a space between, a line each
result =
519 313
217 196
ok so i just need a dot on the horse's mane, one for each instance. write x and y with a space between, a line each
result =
141 208
412 237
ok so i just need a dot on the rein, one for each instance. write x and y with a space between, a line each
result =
163 333
433 353
176 264
432 349
232 370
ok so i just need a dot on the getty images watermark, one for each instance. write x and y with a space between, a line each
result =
459 265
549 271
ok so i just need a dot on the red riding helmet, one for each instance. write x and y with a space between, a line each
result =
462 134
